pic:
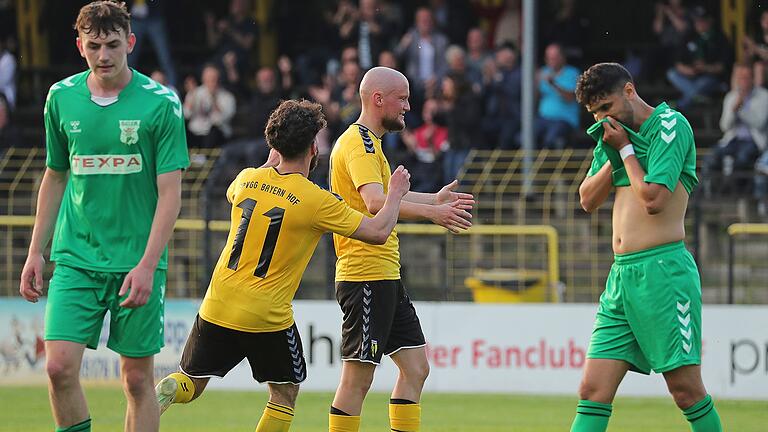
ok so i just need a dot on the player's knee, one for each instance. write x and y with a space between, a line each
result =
60 372
590 391
416 372
136 382
686 396
359 386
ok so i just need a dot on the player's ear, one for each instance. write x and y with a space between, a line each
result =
80 48
629 90
131 42
378 99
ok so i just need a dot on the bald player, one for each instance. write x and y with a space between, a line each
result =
379 318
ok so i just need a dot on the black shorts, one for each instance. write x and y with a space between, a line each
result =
379 319
275 357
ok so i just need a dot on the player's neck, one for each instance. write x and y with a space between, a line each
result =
292 167
109 88
642 112
373 124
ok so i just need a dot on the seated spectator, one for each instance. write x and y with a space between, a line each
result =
502 98
756 49
422 52
233 37
700 62
7 75
459 111
558 112
9 134
209 108
761 184
743 122
425 146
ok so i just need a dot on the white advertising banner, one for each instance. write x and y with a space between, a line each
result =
533 348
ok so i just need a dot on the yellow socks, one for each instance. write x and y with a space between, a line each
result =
404 415
185 389
339 421
276 418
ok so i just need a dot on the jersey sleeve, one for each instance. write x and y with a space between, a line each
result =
171 146
599 158
667 152
364 165
57 150
336 216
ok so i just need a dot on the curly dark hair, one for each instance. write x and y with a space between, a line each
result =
601 80
292 127
102 18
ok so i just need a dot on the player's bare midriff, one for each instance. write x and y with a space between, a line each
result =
635 230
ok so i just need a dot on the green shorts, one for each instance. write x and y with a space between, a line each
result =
650 311
78 300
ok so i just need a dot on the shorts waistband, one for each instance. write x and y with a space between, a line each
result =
634 257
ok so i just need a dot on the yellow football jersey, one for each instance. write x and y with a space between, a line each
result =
356 160
277 221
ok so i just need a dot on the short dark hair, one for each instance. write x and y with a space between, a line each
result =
102 18
292 127
601 80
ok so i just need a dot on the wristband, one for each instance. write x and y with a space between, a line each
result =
626 151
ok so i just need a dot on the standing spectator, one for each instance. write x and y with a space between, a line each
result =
7 75
426 145
459 110
455 57
387 59
743 122
671 25
567 29
756 49
452 18
509 27
363 28
345 97
209 109
422 50
148 20
234 34
9 134
265 99
501 96
700 62
477 53
558 109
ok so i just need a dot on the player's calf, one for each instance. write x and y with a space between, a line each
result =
278 414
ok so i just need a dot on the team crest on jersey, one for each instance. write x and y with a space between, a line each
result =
129 131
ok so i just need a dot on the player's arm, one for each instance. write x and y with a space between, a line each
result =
453 215
168 206
594 190
48 203
444 195
377 229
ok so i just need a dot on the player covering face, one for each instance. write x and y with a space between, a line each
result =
278 217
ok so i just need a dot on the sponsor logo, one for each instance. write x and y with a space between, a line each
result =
106 164
74 126
129 131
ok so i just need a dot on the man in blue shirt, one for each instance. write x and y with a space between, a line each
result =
558 110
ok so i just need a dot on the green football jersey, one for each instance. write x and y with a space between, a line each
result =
114 154
664 146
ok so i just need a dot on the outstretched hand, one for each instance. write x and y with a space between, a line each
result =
447 194
454 215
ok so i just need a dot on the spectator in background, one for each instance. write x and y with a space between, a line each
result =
422 50
209 109
477 53
502 99
743 122
266 97
455 57
387 59
364 28
7 74
234 34
345 97
161 78
700 62
452 18
761 184
671 25
148 20
558 113
425 147
9 134
459 111
285 77
756 48
510 25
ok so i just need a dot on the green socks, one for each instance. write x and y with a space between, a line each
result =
703 416
591 416
83 426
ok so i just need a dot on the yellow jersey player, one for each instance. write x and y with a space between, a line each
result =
379 318
278 217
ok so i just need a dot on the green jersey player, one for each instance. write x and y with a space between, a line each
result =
649 317
110 196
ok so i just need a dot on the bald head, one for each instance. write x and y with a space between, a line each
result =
384 93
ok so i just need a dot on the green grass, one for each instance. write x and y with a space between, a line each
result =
26 409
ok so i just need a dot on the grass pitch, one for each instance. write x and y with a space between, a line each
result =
26 409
